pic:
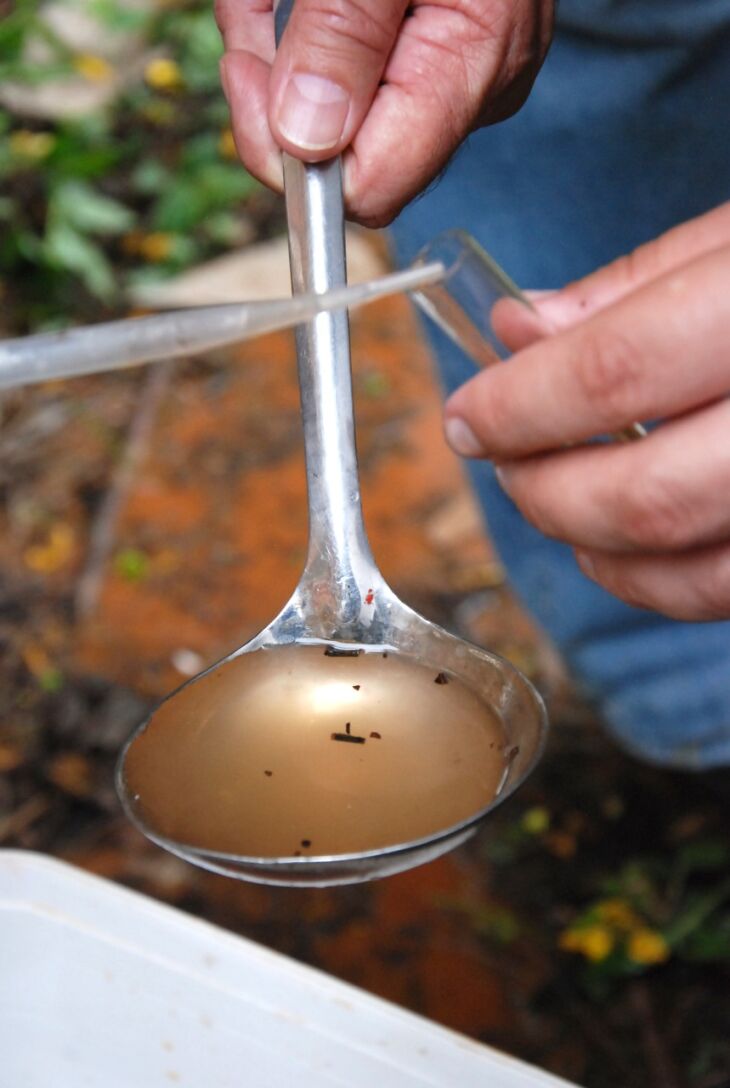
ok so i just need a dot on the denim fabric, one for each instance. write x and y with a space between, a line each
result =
626 134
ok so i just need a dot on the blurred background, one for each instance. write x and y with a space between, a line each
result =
155 519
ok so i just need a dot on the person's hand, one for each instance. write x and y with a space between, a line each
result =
394 85
646 338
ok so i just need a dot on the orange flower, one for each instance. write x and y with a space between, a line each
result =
647 947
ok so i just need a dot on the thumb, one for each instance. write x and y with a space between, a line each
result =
326 72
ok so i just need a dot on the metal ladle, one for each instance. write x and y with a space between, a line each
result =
342 606
342 601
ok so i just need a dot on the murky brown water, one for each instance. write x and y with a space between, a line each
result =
290 751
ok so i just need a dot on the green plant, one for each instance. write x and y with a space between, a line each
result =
141 187
654 909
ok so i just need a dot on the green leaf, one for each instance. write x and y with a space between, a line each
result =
67 249
224 228
201 48
179 208
374 385
121 17
51 680
30 246
150 177
199 150
707 855
131 564
14 27
77 155
710 944
226 182
214 187
697 911
88 211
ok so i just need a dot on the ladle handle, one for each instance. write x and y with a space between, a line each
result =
339 562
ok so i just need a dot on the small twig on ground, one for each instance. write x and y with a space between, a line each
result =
597 1037
101 540
660 1065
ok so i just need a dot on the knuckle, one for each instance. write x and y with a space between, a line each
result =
623 582
339 25
654 512
493 411
222 13
628 591
609 372
634 268
531 492
713 589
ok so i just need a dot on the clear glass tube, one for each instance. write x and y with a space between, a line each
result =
469 304
118 344
462 303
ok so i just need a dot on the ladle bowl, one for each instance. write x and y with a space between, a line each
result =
443 767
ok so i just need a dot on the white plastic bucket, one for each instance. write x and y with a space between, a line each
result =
102 987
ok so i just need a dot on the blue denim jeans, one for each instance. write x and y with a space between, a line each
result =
626 134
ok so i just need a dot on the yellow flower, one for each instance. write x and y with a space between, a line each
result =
25 144
227 145
536 820
54 554
163 74
647 947
93 68
618 914
594 942
155 247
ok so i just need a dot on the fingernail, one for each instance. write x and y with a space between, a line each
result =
586 564
313 112
540 296
461 438
503 477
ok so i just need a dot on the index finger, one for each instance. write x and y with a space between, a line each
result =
650 261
